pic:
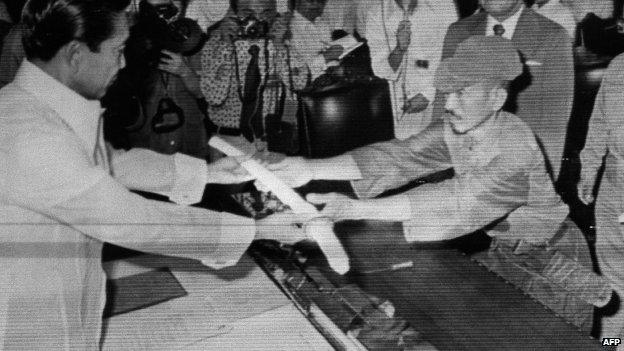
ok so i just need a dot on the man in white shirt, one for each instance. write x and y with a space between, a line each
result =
405 40
312 25
557 11
207 12
64 193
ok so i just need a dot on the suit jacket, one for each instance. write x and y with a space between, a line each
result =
542 96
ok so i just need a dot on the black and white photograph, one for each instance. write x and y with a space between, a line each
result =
311 175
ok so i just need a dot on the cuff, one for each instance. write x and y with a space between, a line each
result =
190 180
237 233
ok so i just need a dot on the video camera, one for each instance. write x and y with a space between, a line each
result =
160 28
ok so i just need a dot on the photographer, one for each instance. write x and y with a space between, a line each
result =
153 104
248 75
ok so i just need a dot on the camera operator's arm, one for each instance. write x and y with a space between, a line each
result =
216 71
178 65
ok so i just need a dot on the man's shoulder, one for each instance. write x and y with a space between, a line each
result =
24 113
616 69
540 25
469 22
516 132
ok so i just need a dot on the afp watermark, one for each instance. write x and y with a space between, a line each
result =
611 341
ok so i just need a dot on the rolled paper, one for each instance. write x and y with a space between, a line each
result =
320 229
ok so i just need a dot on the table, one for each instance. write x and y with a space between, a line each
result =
454 302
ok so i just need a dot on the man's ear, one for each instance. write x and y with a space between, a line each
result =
73 54
498 97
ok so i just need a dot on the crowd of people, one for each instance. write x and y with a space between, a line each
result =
102 96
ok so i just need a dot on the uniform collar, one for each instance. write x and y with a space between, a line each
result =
509 24
80 114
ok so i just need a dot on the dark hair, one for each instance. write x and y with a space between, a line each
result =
51 24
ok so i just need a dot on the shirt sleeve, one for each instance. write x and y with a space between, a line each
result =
462 205
216 72
514 183
388 165
180 177
53 177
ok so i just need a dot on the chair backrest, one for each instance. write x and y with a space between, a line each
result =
343 116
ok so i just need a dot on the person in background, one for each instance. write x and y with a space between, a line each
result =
558 11
207 12
5 22
500 183
405 40
605 141
65 192
248 75
580 8
312 25
169 119
542 96
12 53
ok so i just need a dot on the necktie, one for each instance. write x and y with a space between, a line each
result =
251 111
499 30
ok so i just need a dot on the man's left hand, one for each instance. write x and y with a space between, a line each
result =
417 103
337 206
227 170
173 63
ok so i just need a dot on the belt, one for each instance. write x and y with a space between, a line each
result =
227 131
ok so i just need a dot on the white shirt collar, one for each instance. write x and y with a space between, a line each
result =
81 115
509 24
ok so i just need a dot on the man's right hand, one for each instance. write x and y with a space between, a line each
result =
403 35
295 171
